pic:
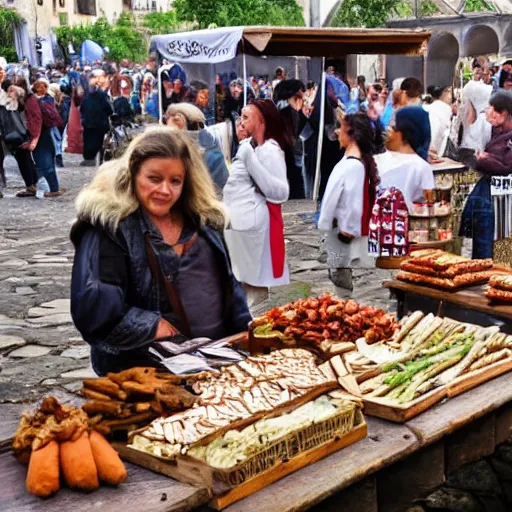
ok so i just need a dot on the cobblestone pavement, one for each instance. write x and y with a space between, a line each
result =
39 347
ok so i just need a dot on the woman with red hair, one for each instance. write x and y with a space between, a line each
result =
255 190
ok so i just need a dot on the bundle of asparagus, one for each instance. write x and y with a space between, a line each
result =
434 353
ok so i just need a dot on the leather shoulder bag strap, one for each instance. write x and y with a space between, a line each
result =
170 289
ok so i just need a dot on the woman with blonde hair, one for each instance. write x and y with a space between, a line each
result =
150 263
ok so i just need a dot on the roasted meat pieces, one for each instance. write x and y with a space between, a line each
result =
329 323
127 400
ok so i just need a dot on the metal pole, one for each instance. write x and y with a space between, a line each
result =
160 96
245 76
316 186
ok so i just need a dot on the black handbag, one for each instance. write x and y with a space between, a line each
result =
14 131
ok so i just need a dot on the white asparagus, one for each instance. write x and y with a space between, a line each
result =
494 357
408 326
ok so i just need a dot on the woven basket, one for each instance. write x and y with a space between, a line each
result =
290 446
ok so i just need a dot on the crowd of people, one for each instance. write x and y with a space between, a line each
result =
45 112
170 215
377 136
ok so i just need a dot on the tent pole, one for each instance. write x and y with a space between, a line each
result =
316 186
244 58
160 97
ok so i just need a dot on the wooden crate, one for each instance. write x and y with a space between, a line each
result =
401 413
199 474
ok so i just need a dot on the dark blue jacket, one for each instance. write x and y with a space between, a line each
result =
95 110
115 303
213 158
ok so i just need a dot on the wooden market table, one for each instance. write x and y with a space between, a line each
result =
388 445
471 302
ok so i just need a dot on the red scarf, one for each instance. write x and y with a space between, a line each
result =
277 246
367 207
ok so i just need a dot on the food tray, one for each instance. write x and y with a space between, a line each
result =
200 474
400 413
282 449
297 450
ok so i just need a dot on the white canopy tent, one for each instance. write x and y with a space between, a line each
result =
224 44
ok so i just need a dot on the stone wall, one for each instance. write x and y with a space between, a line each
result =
41 19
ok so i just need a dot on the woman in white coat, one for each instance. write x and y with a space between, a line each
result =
255 190
440 116
348 201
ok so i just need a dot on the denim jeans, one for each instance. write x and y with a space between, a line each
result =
478 219
44 157
57 140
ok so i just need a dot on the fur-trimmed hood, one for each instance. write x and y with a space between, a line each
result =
109 198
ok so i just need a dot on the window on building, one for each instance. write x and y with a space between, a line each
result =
62 3
87 7
54 7
63 18
39 2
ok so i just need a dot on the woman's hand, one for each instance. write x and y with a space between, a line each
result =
165 330
31 145
346 235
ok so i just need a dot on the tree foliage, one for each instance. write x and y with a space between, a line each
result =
365 13
223 13
161 22
123 39
405 9
478 5
8 20
375 13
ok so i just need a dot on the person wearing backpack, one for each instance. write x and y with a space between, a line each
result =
44 152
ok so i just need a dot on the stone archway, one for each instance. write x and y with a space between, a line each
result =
480 40
442 57
507 49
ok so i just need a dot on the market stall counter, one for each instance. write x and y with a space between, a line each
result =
468 304
373 457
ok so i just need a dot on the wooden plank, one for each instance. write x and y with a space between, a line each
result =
360 497
277 472
471 443
469 298
385 444
411 479
447 417
144 491
401 413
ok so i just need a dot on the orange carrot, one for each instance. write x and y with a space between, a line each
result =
43 470
110 468
78 464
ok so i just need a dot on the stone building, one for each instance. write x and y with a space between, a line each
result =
36 40
146 6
